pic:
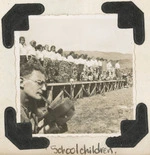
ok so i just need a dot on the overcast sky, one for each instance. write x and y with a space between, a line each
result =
88 33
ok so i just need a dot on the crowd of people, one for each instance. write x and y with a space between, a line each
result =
87 68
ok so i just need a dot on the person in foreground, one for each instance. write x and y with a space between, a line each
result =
32 87
35 108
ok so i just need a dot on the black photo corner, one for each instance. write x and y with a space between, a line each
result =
16 19
129 16
20 134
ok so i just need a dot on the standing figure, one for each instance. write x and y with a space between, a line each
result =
31 52
109 69
40 55
22 50
104 69
117 69
59 55
53 49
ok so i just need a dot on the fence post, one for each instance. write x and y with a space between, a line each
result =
50 96
72 87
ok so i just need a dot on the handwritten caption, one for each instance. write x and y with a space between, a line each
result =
83 150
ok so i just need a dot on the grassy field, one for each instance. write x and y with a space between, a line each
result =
102 114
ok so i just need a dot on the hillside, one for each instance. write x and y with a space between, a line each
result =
125 59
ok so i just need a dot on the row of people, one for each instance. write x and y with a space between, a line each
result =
41 52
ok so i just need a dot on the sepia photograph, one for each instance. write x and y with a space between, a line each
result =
76 74
75 77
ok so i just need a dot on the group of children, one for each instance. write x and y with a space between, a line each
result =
90 68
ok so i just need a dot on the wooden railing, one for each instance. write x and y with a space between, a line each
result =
74 90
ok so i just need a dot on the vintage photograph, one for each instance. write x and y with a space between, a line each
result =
76 74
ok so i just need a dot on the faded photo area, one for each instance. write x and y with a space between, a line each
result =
76 74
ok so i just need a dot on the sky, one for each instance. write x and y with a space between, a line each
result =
80 33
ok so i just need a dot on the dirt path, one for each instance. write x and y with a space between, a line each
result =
102 114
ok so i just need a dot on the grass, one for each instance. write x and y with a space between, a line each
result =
102 114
